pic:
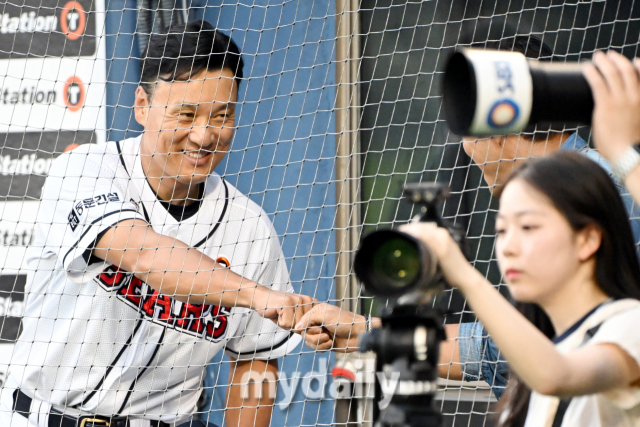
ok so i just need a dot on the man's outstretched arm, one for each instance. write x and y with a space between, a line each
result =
175 269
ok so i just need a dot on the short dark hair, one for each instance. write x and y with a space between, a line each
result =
530 46
182 51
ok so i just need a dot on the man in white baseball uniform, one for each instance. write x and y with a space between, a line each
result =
146 263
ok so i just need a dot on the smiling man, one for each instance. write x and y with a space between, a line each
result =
146 263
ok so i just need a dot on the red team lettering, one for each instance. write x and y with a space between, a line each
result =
207 321
132 291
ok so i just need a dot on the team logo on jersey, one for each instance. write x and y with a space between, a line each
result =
73 93
202 320
73 220
70 147
73 20
223 261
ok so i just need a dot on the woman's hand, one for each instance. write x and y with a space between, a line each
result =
328 327
452 261
616 94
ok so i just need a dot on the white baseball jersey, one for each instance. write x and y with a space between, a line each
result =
99 340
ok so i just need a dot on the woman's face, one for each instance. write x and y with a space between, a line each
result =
537 249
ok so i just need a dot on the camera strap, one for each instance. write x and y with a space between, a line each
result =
562 409
564 403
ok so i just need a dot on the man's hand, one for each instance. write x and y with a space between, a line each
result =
285 309
616 94
327 327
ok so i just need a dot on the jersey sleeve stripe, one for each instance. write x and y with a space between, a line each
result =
261 350
75 245
88 255
224 211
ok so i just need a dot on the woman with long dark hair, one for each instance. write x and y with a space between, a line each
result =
566 252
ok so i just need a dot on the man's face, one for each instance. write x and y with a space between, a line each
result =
498 156
188 126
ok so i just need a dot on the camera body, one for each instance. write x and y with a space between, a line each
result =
396 265
393 264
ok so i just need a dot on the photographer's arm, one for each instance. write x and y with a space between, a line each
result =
615 85
531 355
173 268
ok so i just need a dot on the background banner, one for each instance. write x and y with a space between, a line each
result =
52 99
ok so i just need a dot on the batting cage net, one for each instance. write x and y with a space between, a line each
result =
324 111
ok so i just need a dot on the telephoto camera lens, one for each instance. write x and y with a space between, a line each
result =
491 92
391 263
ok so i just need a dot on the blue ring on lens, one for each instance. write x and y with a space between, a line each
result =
513 105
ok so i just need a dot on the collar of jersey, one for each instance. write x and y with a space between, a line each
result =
132 158
575 326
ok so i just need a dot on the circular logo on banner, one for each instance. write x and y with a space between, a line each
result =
73 93
73 20
503 113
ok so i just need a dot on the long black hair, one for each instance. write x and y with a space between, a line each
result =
586 196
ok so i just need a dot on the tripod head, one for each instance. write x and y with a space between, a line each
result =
407 347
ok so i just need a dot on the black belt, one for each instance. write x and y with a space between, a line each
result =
22 405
